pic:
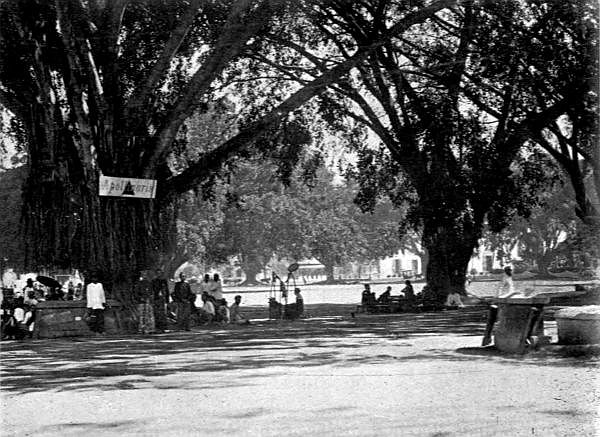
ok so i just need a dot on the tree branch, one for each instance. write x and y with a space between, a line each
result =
207 163
8 101
147 87
237 31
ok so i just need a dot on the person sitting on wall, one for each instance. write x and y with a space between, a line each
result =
385 297
408 291
366 295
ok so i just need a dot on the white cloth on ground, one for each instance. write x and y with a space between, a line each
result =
453 300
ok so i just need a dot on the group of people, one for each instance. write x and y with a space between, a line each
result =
206 304
18 304
408 300
153 304
368 298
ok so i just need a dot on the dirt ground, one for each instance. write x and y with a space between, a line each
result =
396 375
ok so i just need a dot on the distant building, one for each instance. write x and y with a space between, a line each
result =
404 264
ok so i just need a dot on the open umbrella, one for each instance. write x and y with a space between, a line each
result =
48 281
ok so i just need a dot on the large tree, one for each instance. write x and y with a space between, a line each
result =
452 103
104 87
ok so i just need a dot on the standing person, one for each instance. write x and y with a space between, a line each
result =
160 291
506 287
183 298
205 287
216 289
96 301
235 315
299 302
143 296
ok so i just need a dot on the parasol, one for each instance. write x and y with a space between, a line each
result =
48 281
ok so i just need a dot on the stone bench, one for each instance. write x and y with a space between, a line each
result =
578 325
66 319
519 323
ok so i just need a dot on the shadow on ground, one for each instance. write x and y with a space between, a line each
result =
133 362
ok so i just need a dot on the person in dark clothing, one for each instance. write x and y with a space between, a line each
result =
142 293
366 295
183 298
409 292
160 290
385 297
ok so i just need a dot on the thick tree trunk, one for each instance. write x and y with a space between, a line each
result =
251 269
449 254
67 224
329 277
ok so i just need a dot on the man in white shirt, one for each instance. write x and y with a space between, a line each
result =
216 289
506 287
9 279
96 301
206 314
204 287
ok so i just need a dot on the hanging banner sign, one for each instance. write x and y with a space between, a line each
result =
127 187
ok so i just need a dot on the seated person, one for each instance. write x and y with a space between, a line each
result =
409 292
295 310
19 324
366 295
385 297
207 313
56 293
453 300
30 300
235 315
224 312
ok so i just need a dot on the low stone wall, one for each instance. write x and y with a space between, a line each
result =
66 319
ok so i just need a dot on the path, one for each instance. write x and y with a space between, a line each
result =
381 375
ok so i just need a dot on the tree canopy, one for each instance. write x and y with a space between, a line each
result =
452 90
104 87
